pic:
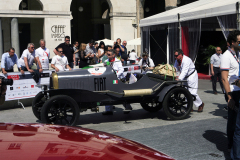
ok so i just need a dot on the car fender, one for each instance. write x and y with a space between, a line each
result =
165 90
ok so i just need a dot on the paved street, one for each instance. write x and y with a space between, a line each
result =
201 136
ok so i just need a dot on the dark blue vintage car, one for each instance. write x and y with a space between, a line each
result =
72 92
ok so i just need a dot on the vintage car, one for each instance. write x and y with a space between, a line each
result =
51 142
72 92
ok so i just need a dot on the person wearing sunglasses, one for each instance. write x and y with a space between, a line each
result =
118 68
67 51
186 67
215 69
28 57
60 62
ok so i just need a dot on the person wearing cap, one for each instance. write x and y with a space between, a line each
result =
146 63
133 56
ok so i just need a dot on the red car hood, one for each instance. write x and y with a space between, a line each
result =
55 142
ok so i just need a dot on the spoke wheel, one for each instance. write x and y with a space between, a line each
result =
60 109
151 107
178 103
37 104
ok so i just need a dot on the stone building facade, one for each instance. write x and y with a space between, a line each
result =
24 21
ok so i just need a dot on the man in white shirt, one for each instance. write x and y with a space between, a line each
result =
60 62
118 68
230 73
43 55
26 61
146 63
133 55
186 67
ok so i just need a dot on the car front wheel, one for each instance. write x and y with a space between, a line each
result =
37 104
60 109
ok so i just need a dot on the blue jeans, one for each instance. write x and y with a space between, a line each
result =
235 152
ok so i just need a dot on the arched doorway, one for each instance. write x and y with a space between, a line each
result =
153 7
30 29
90 20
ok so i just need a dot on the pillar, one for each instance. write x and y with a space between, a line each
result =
1 39
15 36
170 4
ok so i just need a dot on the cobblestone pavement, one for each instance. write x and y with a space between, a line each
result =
201 136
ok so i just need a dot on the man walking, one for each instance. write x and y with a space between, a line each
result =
187 70
43 55
215 69
67 51
230 71
9 59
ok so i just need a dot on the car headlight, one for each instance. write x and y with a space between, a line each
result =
55 81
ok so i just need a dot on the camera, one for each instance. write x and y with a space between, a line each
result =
144 67
116 43
6 81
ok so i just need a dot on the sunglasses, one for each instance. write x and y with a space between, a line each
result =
109 54
67 40
61 51
219 50
176 55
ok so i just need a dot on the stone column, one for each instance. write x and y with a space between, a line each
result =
170 4
15 36
1 39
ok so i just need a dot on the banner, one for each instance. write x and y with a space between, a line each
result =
24 86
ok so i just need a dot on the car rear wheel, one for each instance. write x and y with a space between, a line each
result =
178 103
151 107
60 109
37 104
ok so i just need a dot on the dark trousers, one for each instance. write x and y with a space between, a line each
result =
70 64
232 116
217 75
11 70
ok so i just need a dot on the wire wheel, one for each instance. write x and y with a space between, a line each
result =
178 103
60 109
151 107
37 104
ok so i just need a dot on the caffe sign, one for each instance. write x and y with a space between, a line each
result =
58 32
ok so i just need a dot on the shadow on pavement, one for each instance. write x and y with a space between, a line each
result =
97 118
220 140
220 111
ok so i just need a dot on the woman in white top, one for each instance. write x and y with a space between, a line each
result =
101 52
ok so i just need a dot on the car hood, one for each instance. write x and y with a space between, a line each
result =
43 142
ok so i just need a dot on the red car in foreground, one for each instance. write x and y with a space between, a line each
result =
54 142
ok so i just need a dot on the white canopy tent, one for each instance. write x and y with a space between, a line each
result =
185 20
106 41
195 10
136 41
